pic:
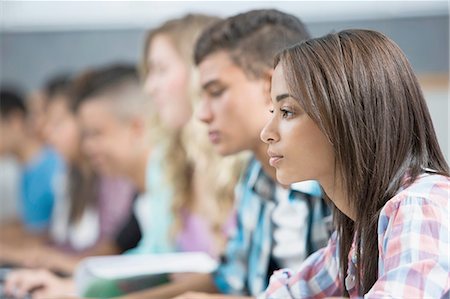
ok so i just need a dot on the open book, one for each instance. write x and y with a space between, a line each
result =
109 276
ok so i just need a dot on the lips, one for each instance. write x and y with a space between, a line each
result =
214 137
274 158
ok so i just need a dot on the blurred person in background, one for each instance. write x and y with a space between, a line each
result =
39 166
83 218
9 197
10 168
35 104
114 117
190 188
194 183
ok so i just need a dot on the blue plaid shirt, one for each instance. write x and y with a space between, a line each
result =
244 266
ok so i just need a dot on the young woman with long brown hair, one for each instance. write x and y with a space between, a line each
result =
348 111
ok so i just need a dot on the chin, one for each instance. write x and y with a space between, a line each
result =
283 179
223 150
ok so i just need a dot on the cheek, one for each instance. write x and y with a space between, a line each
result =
5 137
120 140
96 145
102 145
87 146
68 138
73 134
233 109
174 83
314 150
114 148
179 81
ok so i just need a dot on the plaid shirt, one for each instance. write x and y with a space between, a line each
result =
414 252
244 267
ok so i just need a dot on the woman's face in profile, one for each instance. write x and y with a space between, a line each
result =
297 147
167 82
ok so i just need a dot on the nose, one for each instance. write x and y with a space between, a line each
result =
204 112
269 133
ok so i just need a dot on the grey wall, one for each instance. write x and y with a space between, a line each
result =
424 40
27 59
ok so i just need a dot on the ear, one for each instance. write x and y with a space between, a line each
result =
267 83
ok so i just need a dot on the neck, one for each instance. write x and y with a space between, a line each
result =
138 170
333 188
28 149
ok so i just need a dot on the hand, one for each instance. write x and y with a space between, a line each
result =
41 283
196 295
61 262
181 276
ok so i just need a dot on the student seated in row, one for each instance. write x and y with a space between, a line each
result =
39 165
348 111
82 218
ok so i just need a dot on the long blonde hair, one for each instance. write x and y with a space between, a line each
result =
188 150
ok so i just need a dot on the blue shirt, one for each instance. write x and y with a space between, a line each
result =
244 267
37 190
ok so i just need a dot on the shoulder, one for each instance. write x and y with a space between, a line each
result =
426 199
425 190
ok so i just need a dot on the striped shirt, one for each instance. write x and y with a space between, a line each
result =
414 252
244 267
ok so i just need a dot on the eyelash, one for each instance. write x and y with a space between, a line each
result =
286 113
216 93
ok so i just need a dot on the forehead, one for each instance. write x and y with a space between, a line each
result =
160 47
58 104
98 107
218 66
279 85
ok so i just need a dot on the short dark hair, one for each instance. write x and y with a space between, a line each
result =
252 38
57 84
10 102
101 80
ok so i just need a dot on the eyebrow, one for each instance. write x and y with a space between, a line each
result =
282 97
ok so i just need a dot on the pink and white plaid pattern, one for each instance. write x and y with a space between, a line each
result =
414 251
